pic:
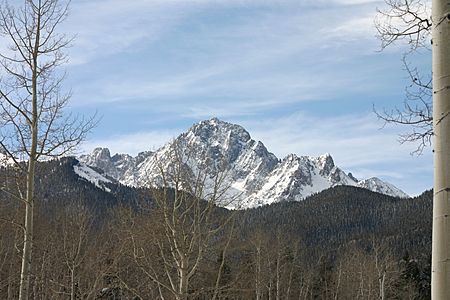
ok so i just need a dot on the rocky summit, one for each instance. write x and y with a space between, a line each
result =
254 176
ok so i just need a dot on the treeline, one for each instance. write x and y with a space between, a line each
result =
343 243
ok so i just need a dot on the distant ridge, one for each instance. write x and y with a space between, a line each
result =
254 173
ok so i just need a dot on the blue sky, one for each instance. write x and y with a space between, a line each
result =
301 76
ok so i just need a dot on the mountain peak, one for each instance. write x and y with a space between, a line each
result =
214 122
377 185
326 161
215 131
325 155
101 153
254 175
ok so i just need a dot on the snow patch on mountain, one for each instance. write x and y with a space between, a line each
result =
5 160
298 177
122 167
253 174
91 176
377 185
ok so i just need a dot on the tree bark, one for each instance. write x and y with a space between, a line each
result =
440 279
184 280
258 273
278 276
382 283
28 234
34 114
29 202
72 284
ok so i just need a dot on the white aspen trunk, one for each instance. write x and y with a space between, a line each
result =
72 284
278 276
10 283
336 295
183 280
382 284
219 276
29 202
258 273
288 290
28 234
160 292
381 271
440 278
300 294
29 211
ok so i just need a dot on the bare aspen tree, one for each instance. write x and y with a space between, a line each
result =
261 272
33 126
76 224
188 223
292 267
223 255
278 267
412 25
384 267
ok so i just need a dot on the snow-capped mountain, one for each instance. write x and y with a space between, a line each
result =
5 160
122 167
91 175
377 185
254 175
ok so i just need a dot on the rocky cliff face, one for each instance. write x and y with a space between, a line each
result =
122 167
254 175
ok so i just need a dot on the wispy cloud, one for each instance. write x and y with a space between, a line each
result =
255 62
356 142
108 27
244 56
132 143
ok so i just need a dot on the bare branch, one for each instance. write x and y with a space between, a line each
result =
404 20
33 124
13 222
410 21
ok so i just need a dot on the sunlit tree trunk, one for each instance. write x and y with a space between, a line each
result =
258 273
29 201
184 280
440 280
31 101
278 273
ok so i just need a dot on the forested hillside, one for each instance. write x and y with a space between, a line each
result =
345 214
93 243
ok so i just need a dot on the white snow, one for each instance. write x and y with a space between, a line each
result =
377 185
92 176
253 173
5 160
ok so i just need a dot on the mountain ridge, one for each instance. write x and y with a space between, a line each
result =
255 174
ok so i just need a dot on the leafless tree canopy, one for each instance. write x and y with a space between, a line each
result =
33 126
409 21
36 47
186 210
404 19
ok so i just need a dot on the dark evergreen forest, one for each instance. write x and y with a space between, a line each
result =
342 243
